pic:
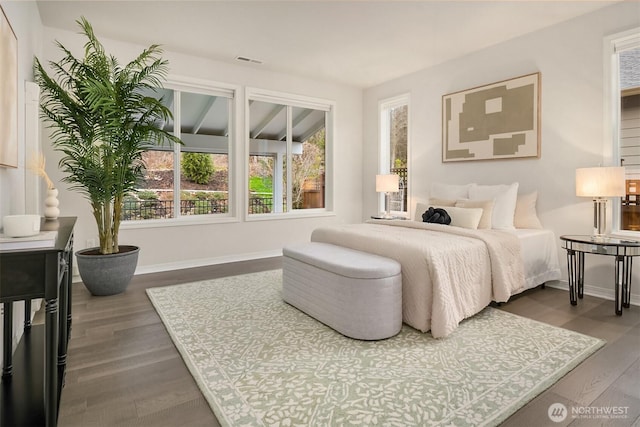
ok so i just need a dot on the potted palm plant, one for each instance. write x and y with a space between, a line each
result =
103 119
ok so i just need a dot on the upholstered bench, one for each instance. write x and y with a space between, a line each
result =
356 293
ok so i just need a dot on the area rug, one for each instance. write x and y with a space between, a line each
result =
260 361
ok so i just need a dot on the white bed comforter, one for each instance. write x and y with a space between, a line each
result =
448 273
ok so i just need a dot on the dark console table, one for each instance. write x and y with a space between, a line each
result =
31 387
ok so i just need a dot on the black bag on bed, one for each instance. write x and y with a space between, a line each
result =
436 216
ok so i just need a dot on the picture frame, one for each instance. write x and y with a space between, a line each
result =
500 120
8 94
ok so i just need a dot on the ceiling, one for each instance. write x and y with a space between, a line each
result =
360 43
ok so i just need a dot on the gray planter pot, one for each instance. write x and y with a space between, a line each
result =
107 274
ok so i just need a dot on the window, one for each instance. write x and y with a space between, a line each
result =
289 139
204 157
193 178
394 149
623 59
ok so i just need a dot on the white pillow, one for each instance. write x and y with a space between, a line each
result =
504 208
487 210
420 209
462 217
442 202
449 191
525 215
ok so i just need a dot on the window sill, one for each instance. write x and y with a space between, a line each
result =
178 222
218 219
626 234
291 215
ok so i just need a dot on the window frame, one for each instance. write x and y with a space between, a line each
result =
181 84
384 144
612 110
290 101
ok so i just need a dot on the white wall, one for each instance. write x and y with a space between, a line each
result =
570 58
25 21
183 246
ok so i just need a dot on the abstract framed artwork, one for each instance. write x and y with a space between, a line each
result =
496 121
8 94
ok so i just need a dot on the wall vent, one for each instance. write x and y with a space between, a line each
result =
246 59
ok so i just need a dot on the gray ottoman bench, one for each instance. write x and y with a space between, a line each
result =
356 293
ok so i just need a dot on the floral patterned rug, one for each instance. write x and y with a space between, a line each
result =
260 361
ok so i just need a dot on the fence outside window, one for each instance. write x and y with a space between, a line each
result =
159 209
399 200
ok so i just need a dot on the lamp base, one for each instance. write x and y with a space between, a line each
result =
387 205
599 217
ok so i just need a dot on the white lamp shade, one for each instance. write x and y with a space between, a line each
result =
387 183
600 182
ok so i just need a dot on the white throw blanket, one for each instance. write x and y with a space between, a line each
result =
448 273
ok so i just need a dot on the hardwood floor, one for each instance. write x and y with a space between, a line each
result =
123 368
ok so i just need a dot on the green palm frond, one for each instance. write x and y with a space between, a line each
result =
102 123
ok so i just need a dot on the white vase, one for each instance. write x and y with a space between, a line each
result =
51 203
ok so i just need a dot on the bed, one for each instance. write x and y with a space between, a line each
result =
540 256
451 272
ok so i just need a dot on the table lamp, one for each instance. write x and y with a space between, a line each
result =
600 183
387 184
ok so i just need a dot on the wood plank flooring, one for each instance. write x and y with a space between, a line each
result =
123 368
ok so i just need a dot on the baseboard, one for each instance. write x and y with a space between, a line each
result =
594 291
201 262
